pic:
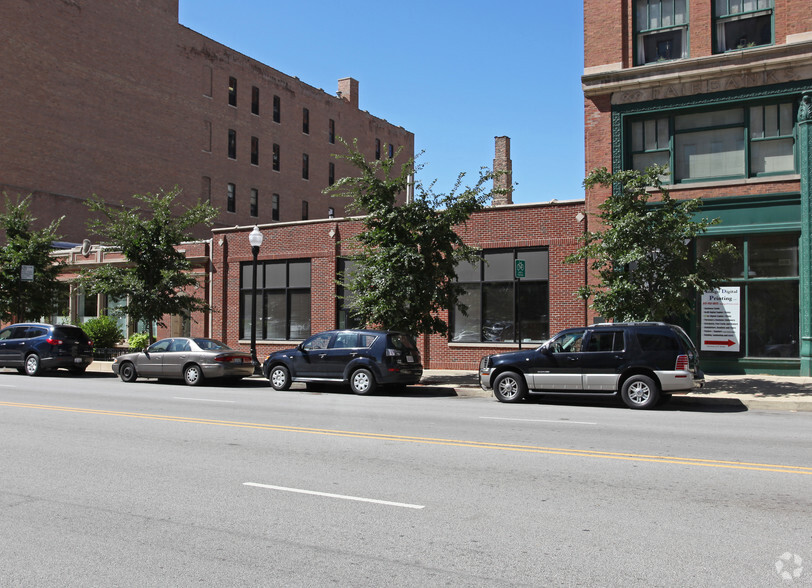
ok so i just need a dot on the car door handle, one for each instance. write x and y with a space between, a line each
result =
322 355
572 359
353 354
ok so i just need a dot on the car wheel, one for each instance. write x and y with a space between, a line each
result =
127 373
279 377
509 387
193 375
640 392
33 367
362 382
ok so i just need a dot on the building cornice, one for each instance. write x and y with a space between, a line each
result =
756 66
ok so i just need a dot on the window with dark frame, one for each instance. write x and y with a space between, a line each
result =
331 133
254 207
305 121
742 24
496 300
331 173
275 157
232 91
254 150
283 300
277 109
231 198
661 30
305 166
377 148
391 151
232 144
331 212
305 210
275 207
254 100
738 141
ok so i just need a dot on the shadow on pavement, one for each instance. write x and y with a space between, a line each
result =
759 387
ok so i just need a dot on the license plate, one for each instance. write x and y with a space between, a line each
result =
409 359
77 360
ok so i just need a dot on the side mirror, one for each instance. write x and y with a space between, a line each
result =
545 350
300 347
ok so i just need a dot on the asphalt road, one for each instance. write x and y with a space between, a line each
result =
148 484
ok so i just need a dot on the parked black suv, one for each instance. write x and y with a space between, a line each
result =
33 348
364 359
643 362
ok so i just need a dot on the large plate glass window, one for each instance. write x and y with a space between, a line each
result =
496 301
661 28
283 300
767 275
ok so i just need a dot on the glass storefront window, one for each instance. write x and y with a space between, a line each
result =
773 327
773 256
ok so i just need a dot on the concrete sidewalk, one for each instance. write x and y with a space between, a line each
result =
752 391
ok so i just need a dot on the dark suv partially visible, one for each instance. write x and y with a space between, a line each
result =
644 363
364 359
33 348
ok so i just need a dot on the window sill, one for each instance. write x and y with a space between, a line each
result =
740 182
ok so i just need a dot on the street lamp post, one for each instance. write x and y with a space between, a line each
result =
255 239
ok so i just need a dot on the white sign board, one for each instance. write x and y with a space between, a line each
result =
721 326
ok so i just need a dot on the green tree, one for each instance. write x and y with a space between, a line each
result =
155 281
406 256
643 254
27 300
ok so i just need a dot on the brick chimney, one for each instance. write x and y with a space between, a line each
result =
348 90
502 162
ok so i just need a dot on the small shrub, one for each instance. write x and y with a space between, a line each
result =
138 341
103 331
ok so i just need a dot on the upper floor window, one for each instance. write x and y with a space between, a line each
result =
275 207
232 91
277 109
305 166
377 148
275 157
661 30
729 143
743 23
305 210
232 144
254 151
331 132
254 205
391 150
231 198
331 173
254 100
305 121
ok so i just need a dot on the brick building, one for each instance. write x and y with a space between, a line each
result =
718 91
117 98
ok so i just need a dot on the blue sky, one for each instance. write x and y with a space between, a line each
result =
456 74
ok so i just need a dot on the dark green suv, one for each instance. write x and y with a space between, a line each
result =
644 363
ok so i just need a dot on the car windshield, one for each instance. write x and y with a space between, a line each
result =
210 344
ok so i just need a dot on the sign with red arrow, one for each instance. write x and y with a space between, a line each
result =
721 319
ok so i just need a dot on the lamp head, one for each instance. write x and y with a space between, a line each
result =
255 237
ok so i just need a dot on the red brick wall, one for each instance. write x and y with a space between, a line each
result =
606 25
109 98
552 225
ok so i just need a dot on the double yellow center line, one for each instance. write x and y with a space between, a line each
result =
687 461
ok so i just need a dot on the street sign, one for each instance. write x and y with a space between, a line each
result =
27 273
520 267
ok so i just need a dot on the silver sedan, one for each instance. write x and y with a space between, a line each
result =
192 359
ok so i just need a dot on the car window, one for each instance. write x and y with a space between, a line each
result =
32 332
180 345
402 342
345 340
367 340
605 341
317 341
162 345
569 342
657 342
70 334
6 333
210 344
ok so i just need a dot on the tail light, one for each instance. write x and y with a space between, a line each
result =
52 341
231 359
682 363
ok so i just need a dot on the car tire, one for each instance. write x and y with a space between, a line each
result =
640 392
509 387
127 373
33 366
193 375
279 376
362 382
